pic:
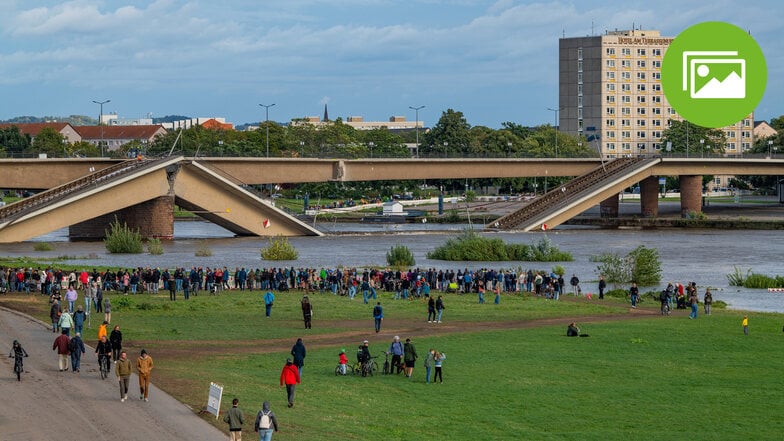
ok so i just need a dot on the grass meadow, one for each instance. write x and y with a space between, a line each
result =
510 373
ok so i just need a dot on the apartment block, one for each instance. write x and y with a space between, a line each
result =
610 92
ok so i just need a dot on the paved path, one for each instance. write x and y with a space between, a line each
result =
48 404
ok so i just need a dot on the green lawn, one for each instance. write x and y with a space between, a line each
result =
647 378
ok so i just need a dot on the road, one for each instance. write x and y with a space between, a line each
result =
49 405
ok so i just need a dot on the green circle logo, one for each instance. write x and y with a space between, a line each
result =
714 74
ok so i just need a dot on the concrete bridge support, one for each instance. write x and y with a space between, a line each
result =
153 218
691 194
609 207
649 196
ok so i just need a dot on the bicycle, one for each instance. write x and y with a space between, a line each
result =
349 369
369 367
103 362
387 369
665 308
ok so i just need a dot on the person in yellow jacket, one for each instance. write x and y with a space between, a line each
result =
143 368
745 324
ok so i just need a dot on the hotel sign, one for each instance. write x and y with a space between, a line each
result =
645 40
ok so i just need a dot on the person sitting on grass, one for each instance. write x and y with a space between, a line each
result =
572 330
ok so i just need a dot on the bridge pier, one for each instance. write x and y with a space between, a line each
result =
153 218
649 196
691 194
610 206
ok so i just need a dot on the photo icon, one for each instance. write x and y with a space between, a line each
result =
723 75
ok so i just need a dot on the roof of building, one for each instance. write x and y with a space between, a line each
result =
214 124
119 132
33 129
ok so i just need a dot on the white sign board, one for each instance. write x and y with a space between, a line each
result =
214 401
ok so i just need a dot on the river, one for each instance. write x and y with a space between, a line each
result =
702 256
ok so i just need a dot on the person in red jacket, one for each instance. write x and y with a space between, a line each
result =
290 377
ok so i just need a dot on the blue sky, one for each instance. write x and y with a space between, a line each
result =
495 61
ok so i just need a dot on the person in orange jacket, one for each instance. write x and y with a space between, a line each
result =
290 377
102 330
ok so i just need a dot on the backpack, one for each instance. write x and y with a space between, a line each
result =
264 420
72 346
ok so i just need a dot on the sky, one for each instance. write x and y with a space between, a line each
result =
495 61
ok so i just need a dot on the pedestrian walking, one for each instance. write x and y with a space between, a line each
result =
144 365
707 301
439 308
307 311
378 316
745 324
235 418
61 346
289 377
65 322
107 310
298 352
123 371
116 340
269 300
76 348
265 422
54 313
634 293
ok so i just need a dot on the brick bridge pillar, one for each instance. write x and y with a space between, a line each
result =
609 206
153 218
649 196
691 194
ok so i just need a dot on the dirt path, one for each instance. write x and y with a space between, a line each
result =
48 404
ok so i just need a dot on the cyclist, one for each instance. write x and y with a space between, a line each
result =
104 351
363 353
664 298
17 351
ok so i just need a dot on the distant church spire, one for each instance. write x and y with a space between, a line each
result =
326 115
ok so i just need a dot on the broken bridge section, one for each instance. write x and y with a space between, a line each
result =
142 193
574 197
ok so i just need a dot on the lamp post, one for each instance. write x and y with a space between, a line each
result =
508 149
770 146
302 149
555 126
446 145
266 123
371 144
702 147
416 125
100 120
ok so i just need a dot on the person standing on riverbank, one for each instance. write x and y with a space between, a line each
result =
708 300
269 300
745 324
307 312
602 286
439 308
634 293
409 357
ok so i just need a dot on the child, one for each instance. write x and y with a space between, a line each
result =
745 325
438 358
343 362
17 351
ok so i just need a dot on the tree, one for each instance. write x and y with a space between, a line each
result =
48 141
777 123
12 141
683 135
449 137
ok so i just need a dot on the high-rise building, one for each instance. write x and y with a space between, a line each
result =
610 92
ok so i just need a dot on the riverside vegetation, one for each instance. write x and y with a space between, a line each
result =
470 246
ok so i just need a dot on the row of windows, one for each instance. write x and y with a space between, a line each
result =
640 76
627 88
627 99
641 146
627 64
626 111
628 122
627 52
627 134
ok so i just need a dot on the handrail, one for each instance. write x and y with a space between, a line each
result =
579 185
104 175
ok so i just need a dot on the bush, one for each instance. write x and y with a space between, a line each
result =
203 250
43 246
559 270
642 265
399 256
154 246
122 240
737 277
754 280
279 249
471 246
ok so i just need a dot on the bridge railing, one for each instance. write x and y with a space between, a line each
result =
45 197
581 184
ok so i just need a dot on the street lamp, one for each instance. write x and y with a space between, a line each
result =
446 145
770 146
555 126
416 125
702 147
302 149
100 120
266 124
508 149
371 144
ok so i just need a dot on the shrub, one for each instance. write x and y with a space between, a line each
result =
399 256
122 240
559 270
642 265
471 246
154 246
279 249
203 250
755 280
737 277
43 246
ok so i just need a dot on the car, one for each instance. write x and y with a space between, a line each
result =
276 195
